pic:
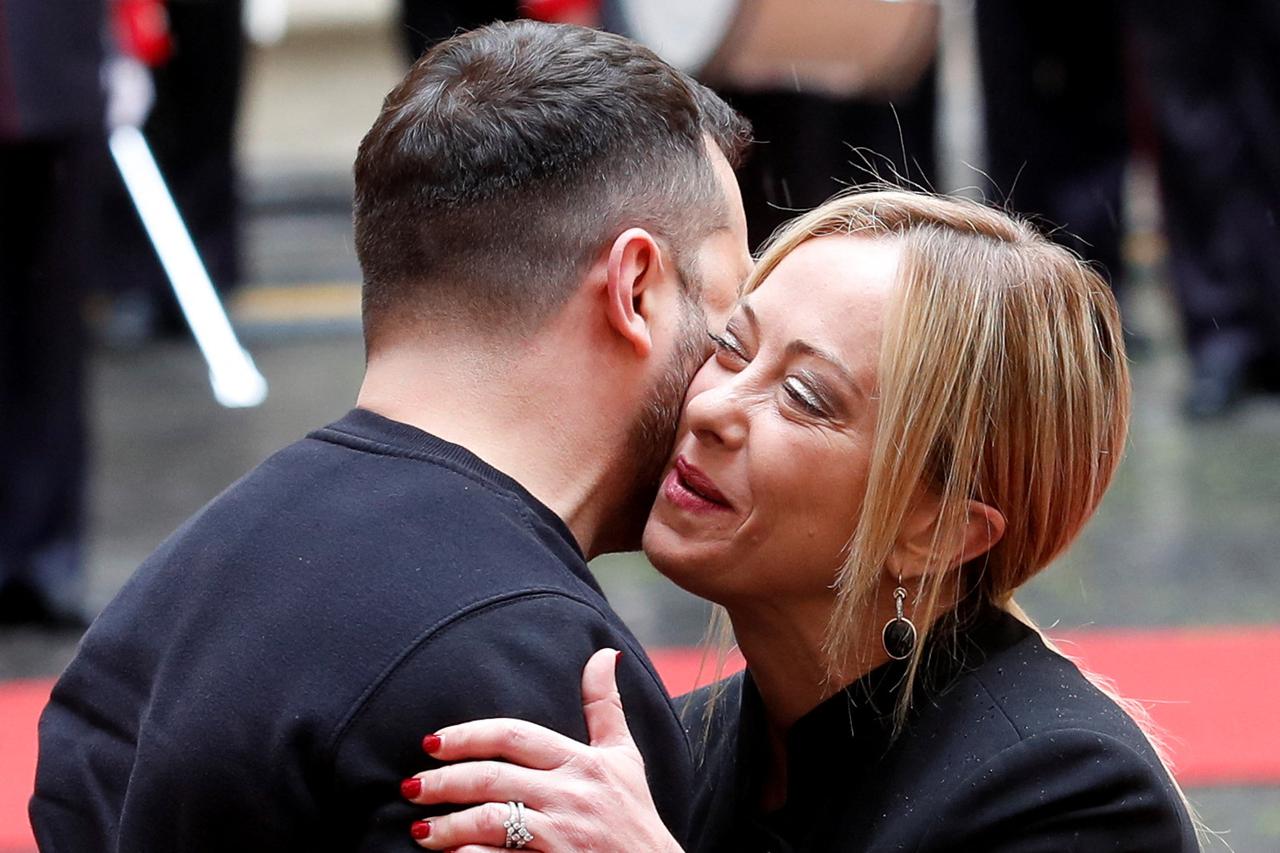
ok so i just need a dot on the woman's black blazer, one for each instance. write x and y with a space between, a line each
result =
1008 748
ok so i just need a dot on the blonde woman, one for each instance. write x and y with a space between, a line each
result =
917 406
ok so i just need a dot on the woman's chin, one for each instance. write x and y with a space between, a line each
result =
657 542
693 567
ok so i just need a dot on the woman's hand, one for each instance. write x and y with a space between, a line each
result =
576 797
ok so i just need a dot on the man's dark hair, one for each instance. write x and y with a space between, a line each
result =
510 154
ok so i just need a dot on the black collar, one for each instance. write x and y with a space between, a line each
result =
854 728
366 430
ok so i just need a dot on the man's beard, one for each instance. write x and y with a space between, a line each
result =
651 439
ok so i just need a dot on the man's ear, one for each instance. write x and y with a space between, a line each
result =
982 529
635 264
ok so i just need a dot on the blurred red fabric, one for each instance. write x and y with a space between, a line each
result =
142 27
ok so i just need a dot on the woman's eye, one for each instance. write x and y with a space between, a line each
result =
728 345
804 397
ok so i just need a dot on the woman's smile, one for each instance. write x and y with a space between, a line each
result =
690 489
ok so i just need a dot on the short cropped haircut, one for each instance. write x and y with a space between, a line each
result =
509 155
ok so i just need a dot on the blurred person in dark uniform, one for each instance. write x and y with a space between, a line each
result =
425 22
191 128
1054 85
1213 73
51 122
811 145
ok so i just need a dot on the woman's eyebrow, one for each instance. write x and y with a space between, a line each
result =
745 308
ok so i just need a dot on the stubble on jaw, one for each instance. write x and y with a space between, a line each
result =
651 439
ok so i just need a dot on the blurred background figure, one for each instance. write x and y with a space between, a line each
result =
811 145
1063 86
425 22
1054 85
841 93
197 67
51 130
1213 76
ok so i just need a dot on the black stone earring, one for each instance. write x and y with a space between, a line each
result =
899 634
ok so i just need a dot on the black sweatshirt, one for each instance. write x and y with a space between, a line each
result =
265 679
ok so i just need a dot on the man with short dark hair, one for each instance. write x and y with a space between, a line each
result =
547 219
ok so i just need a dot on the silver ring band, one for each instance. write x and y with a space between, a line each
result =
518 835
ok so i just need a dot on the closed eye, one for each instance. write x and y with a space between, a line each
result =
804 397
728 346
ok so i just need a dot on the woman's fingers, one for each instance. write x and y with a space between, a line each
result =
584 798
517 741
601 702
512 760
476 782
484 826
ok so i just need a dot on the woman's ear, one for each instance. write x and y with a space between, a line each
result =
982 529
635 261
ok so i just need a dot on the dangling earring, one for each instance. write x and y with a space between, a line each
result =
899 634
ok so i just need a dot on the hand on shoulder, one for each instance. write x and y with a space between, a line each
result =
529 785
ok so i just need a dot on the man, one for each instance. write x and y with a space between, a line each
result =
1214 85
542 216
197 66
1053 85
51 124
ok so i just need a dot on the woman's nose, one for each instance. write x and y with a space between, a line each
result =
717 415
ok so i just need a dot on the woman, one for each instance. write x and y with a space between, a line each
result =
916 407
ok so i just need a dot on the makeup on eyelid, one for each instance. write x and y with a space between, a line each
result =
808 390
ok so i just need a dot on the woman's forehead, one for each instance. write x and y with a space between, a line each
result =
830 295
831 282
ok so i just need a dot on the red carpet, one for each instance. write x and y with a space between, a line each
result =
1215 692
20 704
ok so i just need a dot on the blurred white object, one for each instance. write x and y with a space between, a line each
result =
326 14
266 21
130 91
877 48
236 381
686 34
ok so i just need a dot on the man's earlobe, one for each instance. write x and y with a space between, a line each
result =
634 260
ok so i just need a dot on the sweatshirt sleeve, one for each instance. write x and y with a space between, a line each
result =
521 657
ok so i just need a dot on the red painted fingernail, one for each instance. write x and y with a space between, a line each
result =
431 743
618 658
411 788
420 830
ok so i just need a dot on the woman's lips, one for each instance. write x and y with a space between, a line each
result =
689 488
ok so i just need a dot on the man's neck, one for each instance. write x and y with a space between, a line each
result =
533 421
